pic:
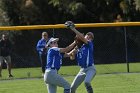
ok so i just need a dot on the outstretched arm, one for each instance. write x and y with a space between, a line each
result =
71 25
68 48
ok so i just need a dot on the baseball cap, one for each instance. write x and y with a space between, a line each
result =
91 34
52 40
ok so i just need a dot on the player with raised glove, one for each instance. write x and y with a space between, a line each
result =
85 59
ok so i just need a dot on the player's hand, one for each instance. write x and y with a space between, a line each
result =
69 24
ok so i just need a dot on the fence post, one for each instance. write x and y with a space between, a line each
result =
126 51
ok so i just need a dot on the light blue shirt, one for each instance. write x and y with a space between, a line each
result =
41 45
85 55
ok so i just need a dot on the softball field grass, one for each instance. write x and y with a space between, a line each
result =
109 79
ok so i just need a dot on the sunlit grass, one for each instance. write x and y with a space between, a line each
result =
102 83
71 70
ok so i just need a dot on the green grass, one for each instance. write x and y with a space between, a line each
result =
72 70
23 73
105 83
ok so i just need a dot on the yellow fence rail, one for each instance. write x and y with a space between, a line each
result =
83 25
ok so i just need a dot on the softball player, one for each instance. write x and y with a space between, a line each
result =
54 61
84 57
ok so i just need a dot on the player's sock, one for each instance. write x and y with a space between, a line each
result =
66 90
89 88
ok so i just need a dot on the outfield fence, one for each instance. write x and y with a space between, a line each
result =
115 43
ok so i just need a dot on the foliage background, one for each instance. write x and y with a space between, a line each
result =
43 12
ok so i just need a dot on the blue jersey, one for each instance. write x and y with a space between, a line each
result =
85 55
54 58
41 46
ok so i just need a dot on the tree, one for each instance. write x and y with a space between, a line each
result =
42 12
137 4
5 20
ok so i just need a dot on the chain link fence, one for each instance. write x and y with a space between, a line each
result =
116 49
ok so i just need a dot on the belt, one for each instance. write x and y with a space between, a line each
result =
52 68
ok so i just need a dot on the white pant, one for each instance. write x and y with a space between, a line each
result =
52 80
86 75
